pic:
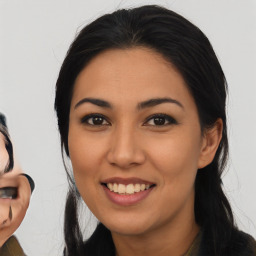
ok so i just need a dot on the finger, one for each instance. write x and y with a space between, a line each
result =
30 180
12 217
21 203
24 191
4 211
5 222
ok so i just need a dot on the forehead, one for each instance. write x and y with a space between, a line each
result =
130 74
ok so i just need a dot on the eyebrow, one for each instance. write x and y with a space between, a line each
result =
157 101
140 106
97 102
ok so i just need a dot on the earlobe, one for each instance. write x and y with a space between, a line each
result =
210 143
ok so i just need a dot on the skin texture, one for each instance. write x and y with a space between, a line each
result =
10 222
130 144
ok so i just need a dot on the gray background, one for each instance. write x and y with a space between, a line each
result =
35 35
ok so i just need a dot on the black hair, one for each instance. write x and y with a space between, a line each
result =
188 49
8 143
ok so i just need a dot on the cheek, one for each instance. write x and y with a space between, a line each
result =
84 165
84 150
176 159
176 162
86 156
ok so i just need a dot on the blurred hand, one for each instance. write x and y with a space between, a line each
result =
13 206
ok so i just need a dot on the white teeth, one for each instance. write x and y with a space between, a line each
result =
121 189
115 188
130 189
110 186
127 189
137 188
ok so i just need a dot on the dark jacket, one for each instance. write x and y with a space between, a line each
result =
11 248
241 244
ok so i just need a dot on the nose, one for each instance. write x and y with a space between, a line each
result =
125 149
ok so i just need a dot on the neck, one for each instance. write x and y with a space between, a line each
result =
170 239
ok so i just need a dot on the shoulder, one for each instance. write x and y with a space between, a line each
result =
237 243
100 242
242 244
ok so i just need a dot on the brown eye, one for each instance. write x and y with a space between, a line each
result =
160 120
95 120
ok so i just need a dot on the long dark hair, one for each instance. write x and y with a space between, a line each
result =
188 49
7 142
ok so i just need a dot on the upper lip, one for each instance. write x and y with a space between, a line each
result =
126 181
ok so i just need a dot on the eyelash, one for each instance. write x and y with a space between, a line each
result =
169 119
85 119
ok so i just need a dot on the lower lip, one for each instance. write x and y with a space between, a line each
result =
127 200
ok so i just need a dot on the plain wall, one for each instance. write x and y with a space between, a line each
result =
35 35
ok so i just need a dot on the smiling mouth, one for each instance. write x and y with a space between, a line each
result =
129 189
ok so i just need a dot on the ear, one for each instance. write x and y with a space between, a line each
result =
210 143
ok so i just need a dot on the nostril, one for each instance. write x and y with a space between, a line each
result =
125 155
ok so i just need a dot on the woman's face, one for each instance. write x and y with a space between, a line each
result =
134 128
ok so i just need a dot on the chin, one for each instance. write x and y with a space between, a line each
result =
127 227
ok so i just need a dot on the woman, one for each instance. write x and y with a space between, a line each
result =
140 101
